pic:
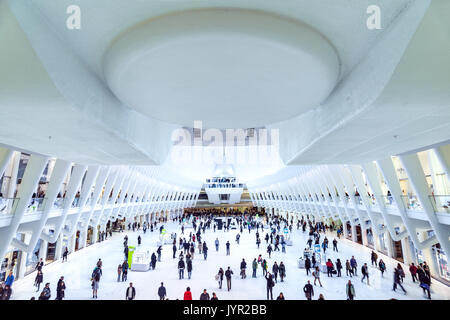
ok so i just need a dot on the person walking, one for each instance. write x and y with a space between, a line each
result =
153 261
350 290
373 258
130 293
335 248
275 270
269 250
282 270
425 283
330 268
217 244
413 271
139 240
269 285
181 267
228 247
254 267
264 267
60 289
214 296
9 279
159 253
348 269
307 265
338 267
397 281
65 253
243 267
119 272
38 280
353 264
401 272
192 250
365 273
162 292
316 275
124 270
219 277
174 249
189 267
204 295
228 274
308 290
382 266
205 250
39 265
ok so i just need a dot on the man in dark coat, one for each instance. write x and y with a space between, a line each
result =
60 288
130 293
153 261
228 274
308 290
204 295
162 292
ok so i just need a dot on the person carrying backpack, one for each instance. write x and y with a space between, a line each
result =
96 274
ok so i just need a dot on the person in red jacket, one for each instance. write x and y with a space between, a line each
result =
413 270
330 268
188 294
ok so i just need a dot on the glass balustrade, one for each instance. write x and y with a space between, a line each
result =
440 203
59 203
358 200
35 204
411 202
387 201
8 205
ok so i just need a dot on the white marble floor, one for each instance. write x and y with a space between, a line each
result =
77 271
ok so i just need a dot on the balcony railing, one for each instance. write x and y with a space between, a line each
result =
440 203
411 202
36 204
8 205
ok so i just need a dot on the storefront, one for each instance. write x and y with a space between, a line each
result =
51 249
397 251
370 240
349 230
77 240
9 264
441 262
32 258
358 234
383 247
89 238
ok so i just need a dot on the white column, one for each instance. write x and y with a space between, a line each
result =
389 243
59 247
23 258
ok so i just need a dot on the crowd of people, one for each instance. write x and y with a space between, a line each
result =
268 228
